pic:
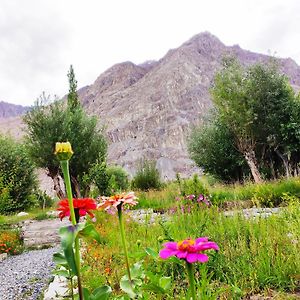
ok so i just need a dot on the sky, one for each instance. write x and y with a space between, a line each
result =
40 39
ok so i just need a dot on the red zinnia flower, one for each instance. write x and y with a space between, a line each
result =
81 206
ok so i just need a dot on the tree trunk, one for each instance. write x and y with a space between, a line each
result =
57 187
75 187
251 161
285 163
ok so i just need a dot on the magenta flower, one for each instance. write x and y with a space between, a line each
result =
189 250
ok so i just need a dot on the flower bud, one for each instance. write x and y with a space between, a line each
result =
63 151
138 242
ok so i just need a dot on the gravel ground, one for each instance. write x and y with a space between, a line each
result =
26 275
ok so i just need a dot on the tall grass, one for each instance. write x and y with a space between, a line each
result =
255 255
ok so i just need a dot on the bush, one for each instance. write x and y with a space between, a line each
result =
147 177
43 200
108 180
17 178
192 186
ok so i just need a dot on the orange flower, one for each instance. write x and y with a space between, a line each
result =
81 206
118 199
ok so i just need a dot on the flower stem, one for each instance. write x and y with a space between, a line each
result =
122 231
65 168
190 271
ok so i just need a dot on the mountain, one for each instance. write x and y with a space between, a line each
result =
149 109
8 110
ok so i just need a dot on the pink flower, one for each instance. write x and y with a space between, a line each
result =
190 197
189 250
119 199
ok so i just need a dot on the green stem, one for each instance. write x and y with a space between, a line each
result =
190 271
122 231
65 168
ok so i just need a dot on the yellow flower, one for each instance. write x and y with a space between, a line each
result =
63 150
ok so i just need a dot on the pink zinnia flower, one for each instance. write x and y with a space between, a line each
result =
189 250
119 199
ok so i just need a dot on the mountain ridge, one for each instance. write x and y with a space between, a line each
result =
149 109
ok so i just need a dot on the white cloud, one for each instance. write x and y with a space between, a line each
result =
39 39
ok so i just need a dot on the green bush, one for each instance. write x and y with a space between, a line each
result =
17 178
108 179
147 176
192 186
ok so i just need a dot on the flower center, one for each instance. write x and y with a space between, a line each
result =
185 245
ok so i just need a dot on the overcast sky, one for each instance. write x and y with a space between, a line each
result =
39 39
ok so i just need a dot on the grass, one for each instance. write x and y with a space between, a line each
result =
256 256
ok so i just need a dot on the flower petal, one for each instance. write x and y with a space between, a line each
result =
171 245
166 253
201 239
192 257
181 254
203 258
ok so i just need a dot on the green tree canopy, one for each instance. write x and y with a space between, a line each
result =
48 124
17 177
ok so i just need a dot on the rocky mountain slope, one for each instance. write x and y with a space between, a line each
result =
11 110
149 109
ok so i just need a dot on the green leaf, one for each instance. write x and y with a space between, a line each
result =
86 294
63 273
59 259
90 231
101 293
68 235
165 283
126 286
152 287
152 253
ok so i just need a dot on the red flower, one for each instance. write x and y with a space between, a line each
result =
81 206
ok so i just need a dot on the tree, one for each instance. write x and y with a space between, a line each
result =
73 99
48 124
211 146
17 177
255 104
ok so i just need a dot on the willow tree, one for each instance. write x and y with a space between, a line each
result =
50 123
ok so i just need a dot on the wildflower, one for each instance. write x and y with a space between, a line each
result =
190 197
203 199
118 200
81 207
63 151
189 250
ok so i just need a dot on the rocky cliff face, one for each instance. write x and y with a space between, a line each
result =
149 109
8 110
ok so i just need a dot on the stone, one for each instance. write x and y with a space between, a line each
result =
58 289
3 256
22 214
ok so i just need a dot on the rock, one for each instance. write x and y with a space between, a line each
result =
58 289
3 256
22 214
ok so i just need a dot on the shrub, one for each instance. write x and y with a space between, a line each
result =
17 178
147 176
43 199
192 186
108 179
